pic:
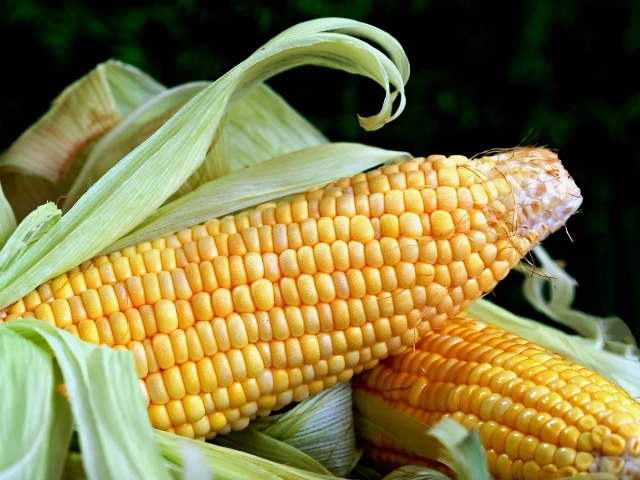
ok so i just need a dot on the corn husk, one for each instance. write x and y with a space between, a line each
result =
36 224
319 429
551 291
36 421
83 112
42 163
446 442
260 126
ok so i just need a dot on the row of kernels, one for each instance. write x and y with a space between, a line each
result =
273 390
519 388
279 237
417 199
182 283
432 173
439 224
207 337
91 304
223 422
175 241
352 284
186 347
162 389
503 467
108 272
527 420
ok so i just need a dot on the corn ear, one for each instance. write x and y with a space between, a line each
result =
537 414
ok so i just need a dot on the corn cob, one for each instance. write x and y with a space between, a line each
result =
240 316
538 415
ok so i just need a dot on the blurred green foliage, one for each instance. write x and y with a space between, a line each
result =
484 75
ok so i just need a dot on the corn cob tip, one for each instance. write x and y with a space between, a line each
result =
623 468
542 194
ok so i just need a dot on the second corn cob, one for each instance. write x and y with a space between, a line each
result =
240 316
539 416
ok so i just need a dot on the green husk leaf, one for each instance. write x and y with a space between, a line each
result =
260 444
226 463
259 126
392 47
446 442
7 219
195 463
414 472
291 173
136 186
321 427
60 435
129 134
36 420
115 435
262 125
84 111
28 232
130 86
611 333
465 447
624 372
41 165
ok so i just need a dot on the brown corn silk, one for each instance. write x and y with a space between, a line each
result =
538 415
240 316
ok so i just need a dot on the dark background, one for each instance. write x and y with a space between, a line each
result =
484 75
